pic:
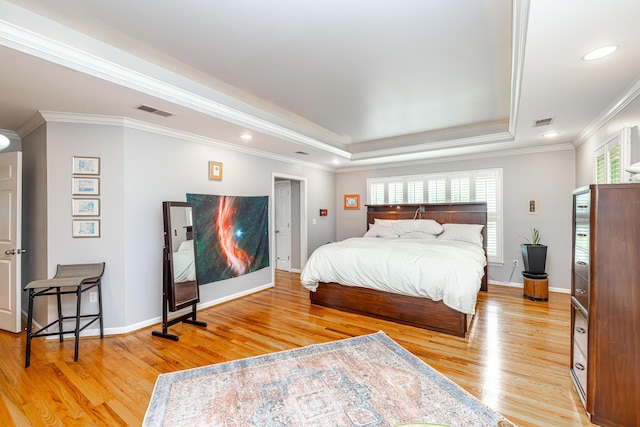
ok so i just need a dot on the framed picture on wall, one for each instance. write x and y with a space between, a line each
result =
86 165
85 207
215 171
86 228
85 186
352 201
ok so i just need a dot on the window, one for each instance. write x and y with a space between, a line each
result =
611 159
466 186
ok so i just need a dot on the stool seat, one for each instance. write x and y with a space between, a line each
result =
69 279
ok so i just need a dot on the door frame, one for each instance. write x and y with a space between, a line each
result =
303 218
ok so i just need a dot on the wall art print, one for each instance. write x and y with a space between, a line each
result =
231 235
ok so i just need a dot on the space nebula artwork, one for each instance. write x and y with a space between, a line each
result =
231 235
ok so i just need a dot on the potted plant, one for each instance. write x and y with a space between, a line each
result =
534 254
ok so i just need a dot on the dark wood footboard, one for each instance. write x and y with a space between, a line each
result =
414 311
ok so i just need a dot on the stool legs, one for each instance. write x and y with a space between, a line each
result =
59 315
29 329
77 331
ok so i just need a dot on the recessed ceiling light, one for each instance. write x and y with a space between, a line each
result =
551 134
601 52
246 136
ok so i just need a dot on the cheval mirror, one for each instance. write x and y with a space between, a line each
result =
179 273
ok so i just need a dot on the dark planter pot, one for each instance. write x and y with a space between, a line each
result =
534 258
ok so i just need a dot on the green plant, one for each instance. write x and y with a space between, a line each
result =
535 237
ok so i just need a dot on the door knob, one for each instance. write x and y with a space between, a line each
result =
21 251
10 252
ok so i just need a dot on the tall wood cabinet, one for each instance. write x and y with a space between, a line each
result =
605 302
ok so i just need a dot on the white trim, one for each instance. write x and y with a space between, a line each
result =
43 47
94 119
455 159
304 252
614 108
521 286
519 41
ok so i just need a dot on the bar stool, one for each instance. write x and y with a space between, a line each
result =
69 279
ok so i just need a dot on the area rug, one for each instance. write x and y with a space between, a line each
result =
363 381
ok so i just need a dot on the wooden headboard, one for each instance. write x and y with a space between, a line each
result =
443 213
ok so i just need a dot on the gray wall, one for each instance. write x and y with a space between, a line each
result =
139 170
546 176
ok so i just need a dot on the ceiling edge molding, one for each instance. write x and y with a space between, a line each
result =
91 119
458 158
609 113
431 146
42 47
30 125
519 41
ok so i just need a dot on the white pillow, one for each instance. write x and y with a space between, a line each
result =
380 231
384 222
424 225
417 235
470 233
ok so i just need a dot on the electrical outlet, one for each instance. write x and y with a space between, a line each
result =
93 297
515 262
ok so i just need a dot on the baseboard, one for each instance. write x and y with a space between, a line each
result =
521 285
95 332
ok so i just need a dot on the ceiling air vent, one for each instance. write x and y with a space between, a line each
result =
542 122
302 153
152 110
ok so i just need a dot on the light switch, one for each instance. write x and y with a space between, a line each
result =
314 221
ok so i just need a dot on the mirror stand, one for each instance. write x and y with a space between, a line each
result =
179 273
189 317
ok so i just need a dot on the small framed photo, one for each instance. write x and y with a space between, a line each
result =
85 207
532 207
352 201
86 165
85 186
215 171
86 228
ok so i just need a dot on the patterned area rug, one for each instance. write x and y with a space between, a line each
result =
363 381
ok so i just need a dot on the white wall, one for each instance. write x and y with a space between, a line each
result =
140 170
546 176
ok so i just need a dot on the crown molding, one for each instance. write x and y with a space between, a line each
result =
431 146
43 47
609 113
460 158
519 41
101 120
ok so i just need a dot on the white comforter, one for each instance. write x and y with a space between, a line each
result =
184 266
438 269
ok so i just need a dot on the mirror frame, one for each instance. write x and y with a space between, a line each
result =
169 283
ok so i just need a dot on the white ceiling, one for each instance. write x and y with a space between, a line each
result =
355 82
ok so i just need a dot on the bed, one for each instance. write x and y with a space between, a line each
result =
184 267
396 298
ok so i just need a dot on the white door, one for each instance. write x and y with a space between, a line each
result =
283 225
10 240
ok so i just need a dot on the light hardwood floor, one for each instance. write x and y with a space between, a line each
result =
515 358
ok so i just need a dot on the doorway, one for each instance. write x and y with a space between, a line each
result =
289 243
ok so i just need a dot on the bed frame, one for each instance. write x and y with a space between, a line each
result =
415 311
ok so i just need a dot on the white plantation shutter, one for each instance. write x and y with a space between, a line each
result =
611 159
395 192
436 190
415 192
466 186
376 194
460 190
